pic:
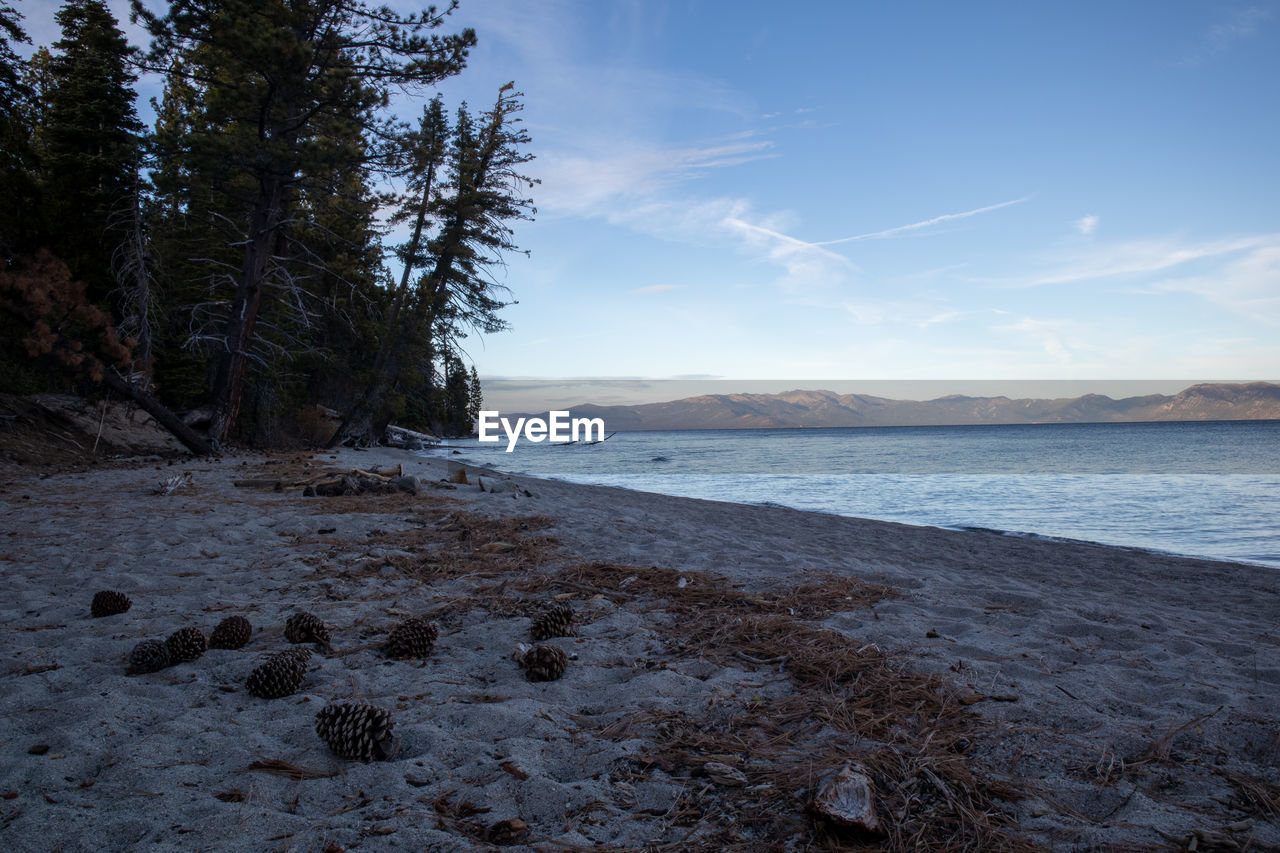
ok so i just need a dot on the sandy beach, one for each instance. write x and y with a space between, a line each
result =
999 693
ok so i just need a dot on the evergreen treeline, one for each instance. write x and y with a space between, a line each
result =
232 261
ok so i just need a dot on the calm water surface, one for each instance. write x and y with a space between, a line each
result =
1202 489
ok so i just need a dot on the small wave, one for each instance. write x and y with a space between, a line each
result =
1042 537
1136 549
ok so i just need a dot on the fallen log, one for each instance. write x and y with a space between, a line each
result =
375 474
407 439
197 444
356 484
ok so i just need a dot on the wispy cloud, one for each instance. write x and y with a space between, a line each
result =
1086 225
1053 336
920 313
784 243
1222 37
944 317
867 312
604 129
1243 24
1248 284
926 223
1141 256
807 265
659 288
588 183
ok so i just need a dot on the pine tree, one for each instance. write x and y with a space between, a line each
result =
38 80
17 186
421 161
458 397
322 321
274 73
191 215
487 194
10 65
89 144
475 395
465 196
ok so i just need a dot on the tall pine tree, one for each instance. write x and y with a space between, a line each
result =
89 144
462 197
487 194
274 73
17 186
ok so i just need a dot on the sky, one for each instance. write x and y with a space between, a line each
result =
885 190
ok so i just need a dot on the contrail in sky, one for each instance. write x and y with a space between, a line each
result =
915 226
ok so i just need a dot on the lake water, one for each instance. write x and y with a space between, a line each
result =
1202 489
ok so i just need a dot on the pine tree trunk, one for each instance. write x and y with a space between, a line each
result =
228 387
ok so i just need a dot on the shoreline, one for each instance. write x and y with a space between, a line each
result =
971 528
1127 689
946 425
1066 540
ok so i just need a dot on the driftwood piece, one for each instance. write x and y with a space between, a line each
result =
279 484
406 438
171 485
375 474
498 487
724 775
845 799
354 484
328 479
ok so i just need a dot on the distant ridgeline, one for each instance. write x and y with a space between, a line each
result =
1251 401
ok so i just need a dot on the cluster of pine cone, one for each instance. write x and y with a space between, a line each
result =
547 662
187 644
356 731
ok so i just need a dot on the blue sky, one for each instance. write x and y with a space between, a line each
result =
905 190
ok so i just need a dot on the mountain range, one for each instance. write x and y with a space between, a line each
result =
813 409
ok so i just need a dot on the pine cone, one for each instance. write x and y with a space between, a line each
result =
303 656
231 633
554 620
280 675
148 656
413 638
303 627
357 731
186 644
544 663
109 603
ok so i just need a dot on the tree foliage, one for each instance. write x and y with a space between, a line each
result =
16 165
274 76
89 146
61 321
241 244
464 188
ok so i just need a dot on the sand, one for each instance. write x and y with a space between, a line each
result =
1129 699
